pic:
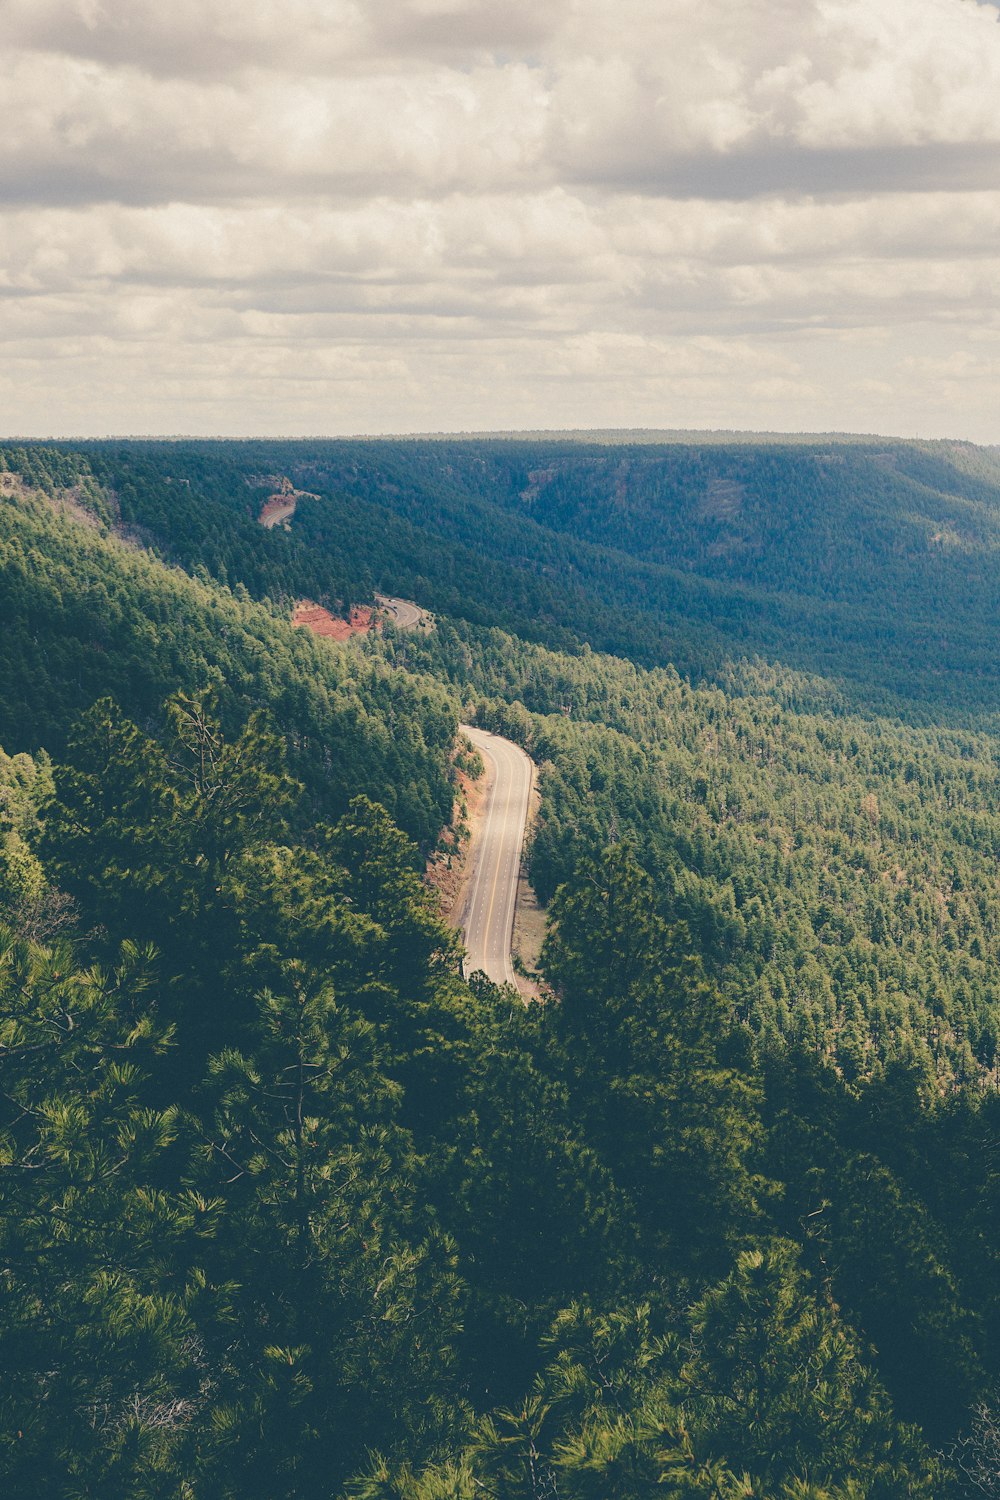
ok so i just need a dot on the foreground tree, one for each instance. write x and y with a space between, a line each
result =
105 1295
659 1073
757 1392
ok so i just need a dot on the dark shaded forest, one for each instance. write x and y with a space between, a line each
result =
291 1208
873 565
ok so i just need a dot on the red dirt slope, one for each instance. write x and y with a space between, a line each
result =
320 621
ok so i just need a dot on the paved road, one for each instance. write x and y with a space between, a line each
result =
488 913
406 616
281 513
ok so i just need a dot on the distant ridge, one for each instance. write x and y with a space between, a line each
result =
601 436
606 437
653 436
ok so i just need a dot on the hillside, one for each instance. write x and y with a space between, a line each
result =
290 1210
85 616
871 563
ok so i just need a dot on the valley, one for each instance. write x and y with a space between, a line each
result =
278 1131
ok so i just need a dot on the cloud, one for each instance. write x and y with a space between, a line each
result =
228 214
73 132
187 38
783 97
222 38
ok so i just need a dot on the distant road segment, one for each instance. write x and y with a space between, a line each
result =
405 615
487 920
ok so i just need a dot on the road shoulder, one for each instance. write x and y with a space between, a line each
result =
529 914
451 870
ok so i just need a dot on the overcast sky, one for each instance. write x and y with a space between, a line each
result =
319 216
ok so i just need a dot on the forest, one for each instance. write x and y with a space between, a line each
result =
292 1209
871 564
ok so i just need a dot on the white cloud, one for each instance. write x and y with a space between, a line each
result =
339 215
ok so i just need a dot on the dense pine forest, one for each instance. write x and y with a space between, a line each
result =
291 1208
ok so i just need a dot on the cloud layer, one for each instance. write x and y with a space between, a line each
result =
388 215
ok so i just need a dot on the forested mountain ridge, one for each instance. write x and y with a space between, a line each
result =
84 616
287 1208
873 563
837 874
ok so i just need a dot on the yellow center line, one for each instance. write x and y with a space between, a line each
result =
496 872
505 760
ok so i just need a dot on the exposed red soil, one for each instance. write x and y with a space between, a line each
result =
321 622
446 867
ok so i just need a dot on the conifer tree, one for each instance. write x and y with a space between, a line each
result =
651 1055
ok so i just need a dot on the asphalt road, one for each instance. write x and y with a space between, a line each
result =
487 920
406 616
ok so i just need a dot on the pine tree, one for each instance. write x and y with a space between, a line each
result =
105 1294
651 1055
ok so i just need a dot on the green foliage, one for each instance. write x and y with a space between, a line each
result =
757 1391
646 1040
103 1291
344 1228
873 563
836 873
27 905
85 616
336 1259
286 1208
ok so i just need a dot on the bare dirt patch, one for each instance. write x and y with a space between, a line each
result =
537 480
722 500
322 623
278 509
11 484
64 502
363 618
948 536
69 503
448 867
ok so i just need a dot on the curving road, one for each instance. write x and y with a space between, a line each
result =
487 919
405 615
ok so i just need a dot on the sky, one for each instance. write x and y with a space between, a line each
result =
312 217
